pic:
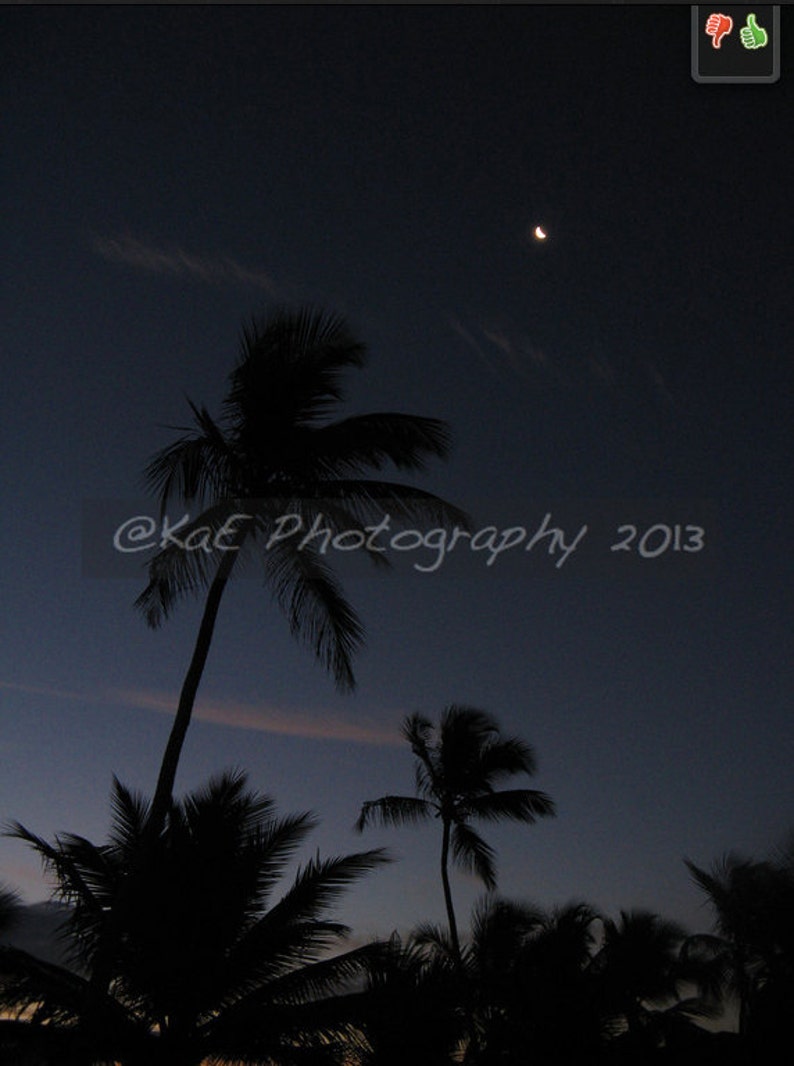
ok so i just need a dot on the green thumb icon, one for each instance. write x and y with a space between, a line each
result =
752 35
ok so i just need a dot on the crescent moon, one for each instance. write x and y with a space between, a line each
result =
539 233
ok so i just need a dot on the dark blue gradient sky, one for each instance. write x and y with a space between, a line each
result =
170 171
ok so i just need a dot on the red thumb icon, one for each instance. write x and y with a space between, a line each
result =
717 26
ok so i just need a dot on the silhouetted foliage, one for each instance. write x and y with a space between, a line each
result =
752 952
410 1010
529 968
9 909
180 951
642 970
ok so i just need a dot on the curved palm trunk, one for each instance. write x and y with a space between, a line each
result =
473 1052
187 697
453 925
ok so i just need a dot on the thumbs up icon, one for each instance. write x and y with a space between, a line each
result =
752 35
717 25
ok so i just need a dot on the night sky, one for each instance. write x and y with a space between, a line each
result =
168 172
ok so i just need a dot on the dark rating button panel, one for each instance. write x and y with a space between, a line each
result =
736 43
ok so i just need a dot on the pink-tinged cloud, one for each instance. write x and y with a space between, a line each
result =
316 725
26 879
267 719
175 262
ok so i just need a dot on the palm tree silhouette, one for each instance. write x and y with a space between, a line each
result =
642 968
202 963
528 983
409 1009
273 452
530 970
752 953
455 778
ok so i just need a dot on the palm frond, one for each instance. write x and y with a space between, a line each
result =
321 881
370 441
227 799
506 756
462 725
499 924
317 612
185 567
196 468
394 810
293 933
471 852
301 515
315 1033
418 731
89 867
568 933
268 952
290 368
316 980
10 908
434 942
463 734
53 993
129 811
264 853
71 886
369 501
521 805
713 884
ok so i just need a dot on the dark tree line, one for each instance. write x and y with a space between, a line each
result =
195 949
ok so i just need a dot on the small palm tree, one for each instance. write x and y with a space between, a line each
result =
530 969
642 968
752 952
409 1009
275 451
202 963
527 974
455 779
731 887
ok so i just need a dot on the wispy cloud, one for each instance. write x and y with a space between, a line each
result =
510 355
264 718
261 717
176 262
472 343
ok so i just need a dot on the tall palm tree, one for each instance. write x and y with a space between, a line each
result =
455 777
204 964
275 451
